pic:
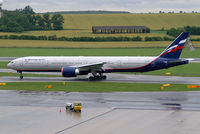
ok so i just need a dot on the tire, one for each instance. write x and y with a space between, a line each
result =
104 77
91 78
21 77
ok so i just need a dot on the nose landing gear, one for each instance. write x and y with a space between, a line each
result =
21 75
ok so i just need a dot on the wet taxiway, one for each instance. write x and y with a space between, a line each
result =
125 78
120 112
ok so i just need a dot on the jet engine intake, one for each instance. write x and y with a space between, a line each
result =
70 71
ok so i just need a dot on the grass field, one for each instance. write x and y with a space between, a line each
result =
93 87
153 21
3 64
67 44
20 52
77 25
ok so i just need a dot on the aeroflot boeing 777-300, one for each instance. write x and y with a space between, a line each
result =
71 66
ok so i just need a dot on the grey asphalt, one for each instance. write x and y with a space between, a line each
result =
33 112
124 78
194 60
7 58
138 100
14 71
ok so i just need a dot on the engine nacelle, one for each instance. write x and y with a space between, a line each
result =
70 71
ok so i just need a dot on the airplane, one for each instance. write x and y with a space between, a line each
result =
71 66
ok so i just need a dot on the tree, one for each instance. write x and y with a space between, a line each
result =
47 21
40 22
57 21
4 20
32 20
148 30
175 32
28 10
13 26
23 21
26 19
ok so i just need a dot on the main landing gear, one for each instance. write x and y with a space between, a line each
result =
21 75
97 77
92 78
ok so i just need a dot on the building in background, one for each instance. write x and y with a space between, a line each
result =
119 29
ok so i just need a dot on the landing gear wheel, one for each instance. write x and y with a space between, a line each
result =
21 77
98 78
104 77
91 78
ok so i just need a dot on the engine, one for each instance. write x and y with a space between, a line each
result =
70 72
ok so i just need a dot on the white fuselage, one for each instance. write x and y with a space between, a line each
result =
52 63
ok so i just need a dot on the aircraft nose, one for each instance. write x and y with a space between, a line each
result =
9 65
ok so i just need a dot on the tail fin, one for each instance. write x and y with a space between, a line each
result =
174 50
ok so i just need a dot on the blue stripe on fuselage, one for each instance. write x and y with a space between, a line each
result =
160 63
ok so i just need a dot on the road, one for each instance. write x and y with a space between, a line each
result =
43 112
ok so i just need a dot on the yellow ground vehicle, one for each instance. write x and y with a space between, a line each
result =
76 106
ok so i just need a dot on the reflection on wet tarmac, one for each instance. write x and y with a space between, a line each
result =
139 100
73 115
34 112
172 106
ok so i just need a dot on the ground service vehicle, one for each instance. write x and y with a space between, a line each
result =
76 106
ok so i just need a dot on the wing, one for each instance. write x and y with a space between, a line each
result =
92 67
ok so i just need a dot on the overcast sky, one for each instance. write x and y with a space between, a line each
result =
134 6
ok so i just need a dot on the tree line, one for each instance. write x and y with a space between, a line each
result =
88 39
26 19
193 30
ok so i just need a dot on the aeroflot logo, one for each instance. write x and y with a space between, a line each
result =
176 47
171 48
182 41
